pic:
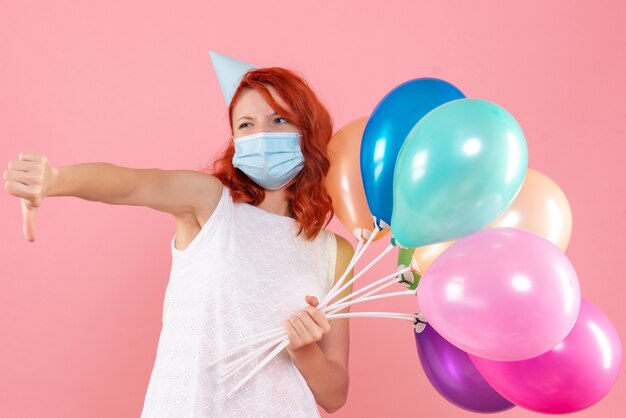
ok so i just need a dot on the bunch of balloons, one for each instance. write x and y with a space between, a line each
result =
486 238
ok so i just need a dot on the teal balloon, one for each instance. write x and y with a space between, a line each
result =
458 170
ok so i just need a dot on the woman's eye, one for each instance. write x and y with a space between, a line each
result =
241 126
281 119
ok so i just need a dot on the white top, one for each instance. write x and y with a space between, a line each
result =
244 273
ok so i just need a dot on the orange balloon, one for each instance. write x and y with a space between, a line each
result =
424 256
344 183
540 207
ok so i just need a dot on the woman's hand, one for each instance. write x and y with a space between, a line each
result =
29 178
307 326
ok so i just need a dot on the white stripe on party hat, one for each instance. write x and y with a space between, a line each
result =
229 73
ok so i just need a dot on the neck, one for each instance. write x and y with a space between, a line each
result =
275 202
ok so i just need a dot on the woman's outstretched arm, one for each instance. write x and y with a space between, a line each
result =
183 193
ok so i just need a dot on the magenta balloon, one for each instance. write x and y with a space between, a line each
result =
572 376
502 294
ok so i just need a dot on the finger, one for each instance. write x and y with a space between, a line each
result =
292 334
28 220
319 318
21 165
24 177
313 332
299 327
18 189
30 156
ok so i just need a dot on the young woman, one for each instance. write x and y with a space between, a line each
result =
249 253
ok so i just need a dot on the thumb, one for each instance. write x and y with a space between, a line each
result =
311 300
28 220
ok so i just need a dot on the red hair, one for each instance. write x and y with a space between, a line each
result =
309 202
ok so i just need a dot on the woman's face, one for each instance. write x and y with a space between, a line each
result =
252 114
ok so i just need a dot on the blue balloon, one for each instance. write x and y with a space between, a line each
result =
386 129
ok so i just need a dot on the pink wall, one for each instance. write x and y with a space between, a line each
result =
130 82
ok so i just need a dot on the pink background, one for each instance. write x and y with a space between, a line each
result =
131 83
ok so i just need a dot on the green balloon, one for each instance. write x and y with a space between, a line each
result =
410 279
458 170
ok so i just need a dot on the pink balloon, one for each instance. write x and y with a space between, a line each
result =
502 294
572 376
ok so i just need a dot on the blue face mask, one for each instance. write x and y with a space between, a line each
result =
270 159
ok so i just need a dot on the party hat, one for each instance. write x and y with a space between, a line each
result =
229 73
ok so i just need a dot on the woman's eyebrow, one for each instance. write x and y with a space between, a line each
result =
251 118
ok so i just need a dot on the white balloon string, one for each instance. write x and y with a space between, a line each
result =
259 366
341 306
334 308
358 275
392 315
335 290
272 333
259 339
355 257
371 292
353 261
359 245
238 364
252 337
389 279
285 343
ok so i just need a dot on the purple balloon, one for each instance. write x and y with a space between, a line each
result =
453 375
572 376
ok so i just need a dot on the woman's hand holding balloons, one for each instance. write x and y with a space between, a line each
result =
29 178
307 326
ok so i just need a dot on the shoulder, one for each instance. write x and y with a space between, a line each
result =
209 183
344 255
345 251
343 245
196 185
212 189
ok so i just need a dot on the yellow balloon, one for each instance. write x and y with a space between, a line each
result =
540 207
344 183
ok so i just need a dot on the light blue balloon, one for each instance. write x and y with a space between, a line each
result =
458 170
